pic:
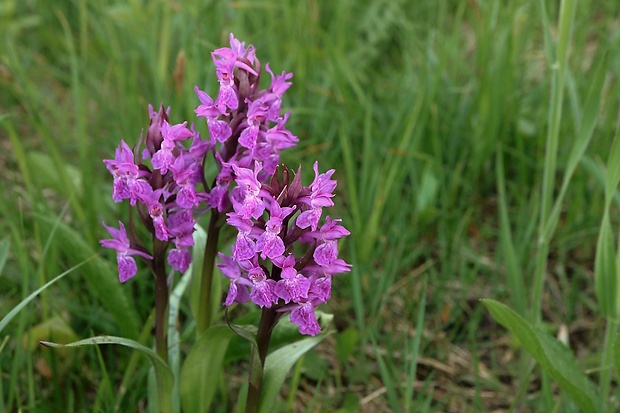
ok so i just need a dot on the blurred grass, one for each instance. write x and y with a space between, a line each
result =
434 115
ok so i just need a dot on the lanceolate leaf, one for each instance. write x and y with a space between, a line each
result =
605 269
200 240
555 358
174 334
163 375
201 370
277 367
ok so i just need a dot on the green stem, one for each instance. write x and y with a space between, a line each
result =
268 320
203 319
161 298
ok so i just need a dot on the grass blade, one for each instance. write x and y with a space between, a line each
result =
7 318
163 375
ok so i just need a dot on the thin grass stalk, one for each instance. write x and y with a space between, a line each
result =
612 180
567 15
611 330
414 350
514 275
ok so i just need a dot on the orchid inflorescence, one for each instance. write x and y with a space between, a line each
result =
284 256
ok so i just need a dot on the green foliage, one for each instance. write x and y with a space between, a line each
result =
202 369
554 357
277 366
163 375
435 115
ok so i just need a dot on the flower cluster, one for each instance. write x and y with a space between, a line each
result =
165 195
244 125
246 120
277 219
278 223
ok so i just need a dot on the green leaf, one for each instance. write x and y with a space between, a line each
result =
277 367
555 358
605 269
200 241
613 169
202 369
617 353
346 343
5 246
45 172
582 139
7 318
174 335
163 375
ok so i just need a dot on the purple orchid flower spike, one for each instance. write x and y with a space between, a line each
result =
295 286
127 267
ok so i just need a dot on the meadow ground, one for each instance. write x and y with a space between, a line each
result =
470 140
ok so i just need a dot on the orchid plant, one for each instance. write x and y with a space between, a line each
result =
285 251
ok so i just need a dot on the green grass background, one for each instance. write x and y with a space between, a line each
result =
434 115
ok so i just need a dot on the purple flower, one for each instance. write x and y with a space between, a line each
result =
293 286
269 242
320 289
184 172
252 204
309 218
224 60
335 267
279 86
303 315
127 176
163 158
157 213
280 138
181 227
238 291
257 112
179 259
326 253
262 288
244 247
218 129
127 267
322 189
